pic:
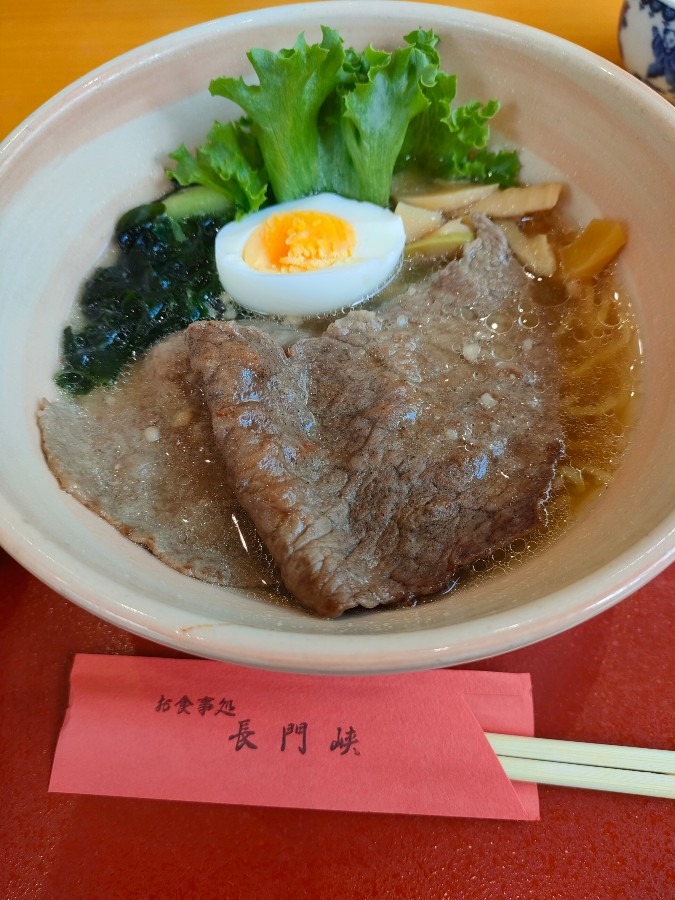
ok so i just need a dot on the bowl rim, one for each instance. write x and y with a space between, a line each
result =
490 635
146 51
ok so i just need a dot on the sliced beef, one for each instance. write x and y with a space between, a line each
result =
401 444
142 456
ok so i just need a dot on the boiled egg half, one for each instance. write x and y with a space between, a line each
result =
310 256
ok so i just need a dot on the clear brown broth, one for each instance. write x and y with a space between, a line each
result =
594 329
596 341
587 319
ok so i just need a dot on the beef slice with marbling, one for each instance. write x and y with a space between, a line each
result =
402 443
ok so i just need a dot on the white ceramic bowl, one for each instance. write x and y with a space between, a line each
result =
97 149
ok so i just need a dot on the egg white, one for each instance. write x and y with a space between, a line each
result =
380 238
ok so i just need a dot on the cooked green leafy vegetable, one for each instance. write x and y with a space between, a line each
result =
164 279
326 118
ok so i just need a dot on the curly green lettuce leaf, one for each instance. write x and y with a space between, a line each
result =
284 109
375 117
452 142
229 162
323 117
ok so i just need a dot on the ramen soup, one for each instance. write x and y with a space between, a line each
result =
337 427
142 453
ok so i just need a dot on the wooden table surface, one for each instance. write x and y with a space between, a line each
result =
610 680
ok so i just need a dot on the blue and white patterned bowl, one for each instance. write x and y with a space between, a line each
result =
647 43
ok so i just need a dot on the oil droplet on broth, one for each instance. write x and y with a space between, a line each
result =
499 323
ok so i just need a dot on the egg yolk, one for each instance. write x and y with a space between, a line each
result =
299 241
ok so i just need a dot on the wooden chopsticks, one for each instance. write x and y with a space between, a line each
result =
597 767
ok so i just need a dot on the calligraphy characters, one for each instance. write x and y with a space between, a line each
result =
291 729
204 705
345 743
295 736
243 736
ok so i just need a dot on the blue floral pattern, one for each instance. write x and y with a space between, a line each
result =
663 38
623 21
663 48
